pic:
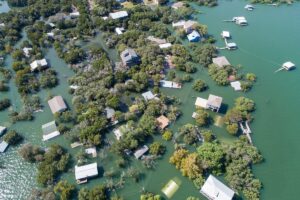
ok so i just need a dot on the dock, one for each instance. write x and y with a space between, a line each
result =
76 144
246 130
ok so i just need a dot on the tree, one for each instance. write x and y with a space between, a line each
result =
156 148
167 135
199 85
204 54
64 189
251 77
4 103
212 157
98 193
202 118
191 166
150 196
207 135
244 104
177 157
12 137
232 128
31 153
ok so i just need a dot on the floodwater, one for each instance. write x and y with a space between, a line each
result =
268 41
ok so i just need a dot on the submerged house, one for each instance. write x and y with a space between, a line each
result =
57 104
26 51
221 61
119 30
148 95
225 34
129 57
38 63
288 65
82 173
231 46
178 5
141 151
194 36
237 86
213 189
214 102
50 131
162 121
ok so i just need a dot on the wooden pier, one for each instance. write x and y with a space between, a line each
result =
246 130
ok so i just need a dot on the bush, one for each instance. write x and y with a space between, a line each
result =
4 103
31 153
167 135
12 137
156 148
199 85
232 128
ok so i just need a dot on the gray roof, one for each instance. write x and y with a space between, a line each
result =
57 104
109 112
49 128
3 146
221 61
216 190
128 55
141 151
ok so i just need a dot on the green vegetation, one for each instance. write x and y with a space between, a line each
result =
199 86
12 137
156 148
31 153
4 103
55 161
150 196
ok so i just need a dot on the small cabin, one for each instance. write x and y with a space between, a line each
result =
288 65
3 146
2 130
57 104
225 34
231 46
50 131
82 173
141 151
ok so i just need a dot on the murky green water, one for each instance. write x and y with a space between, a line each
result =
270 39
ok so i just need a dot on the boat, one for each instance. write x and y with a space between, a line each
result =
240 21
249 7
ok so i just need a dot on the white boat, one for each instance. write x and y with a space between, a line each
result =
249 7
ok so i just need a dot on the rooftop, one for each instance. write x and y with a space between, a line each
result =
156 40
193 36
178 5
163 121
148 95
50 131
57 104
118 15
221 61
2 130
216 190
236 85
86 171
164 46
38 63
214 101
140 152
110 112
200 102
288 65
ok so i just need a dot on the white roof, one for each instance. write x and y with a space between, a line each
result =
119 31
2 130
91 150
118 134
221 61
169 84
3 146
231 45
148 95
74 87
288 65
118 15
38 63
51 135
74 14
50 34
193 35
236 85
179 23
26 51
164 46
178 5
249 6
216 190
86 171
225 34
200 102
